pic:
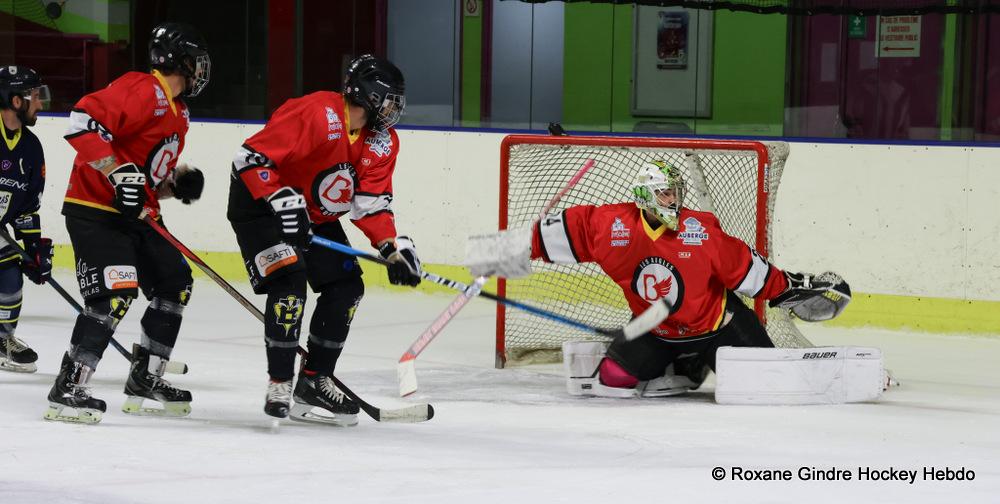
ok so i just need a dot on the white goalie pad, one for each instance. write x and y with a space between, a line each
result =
505 254
580 362
822 375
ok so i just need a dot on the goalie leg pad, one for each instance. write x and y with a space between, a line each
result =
822 375
582 361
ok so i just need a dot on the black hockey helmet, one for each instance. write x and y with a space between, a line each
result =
178 47
377 85
21 81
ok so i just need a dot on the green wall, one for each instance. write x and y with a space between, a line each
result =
748 84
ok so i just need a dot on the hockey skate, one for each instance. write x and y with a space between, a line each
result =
70 391
145 381
320 392
279 397
16 356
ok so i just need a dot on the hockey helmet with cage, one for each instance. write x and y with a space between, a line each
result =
178 47
21 81
378 86
656 176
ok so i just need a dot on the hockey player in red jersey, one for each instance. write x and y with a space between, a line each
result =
320 157
656 249
128 138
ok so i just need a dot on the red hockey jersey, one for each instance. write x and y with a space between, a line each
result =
692 267
307 146
134 119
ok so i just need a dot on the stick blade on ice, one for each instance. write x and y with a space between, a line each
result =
406 373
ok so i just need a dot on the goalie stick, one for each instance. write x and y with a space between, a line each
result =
174 367
409 414
406 373
638 326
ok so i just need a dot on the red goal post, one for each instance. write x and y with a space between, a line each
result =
735 179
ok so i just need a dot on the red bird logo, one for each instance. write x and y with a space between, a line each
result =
663 287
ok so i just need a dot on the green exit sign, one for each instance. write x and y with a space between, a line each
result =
857 26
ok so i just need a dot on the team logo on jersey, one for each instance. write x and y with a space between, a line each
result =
380 144
6 197
7 164
163 158
619 233
334 188
121 276
264 175
693 233
655 278
270 259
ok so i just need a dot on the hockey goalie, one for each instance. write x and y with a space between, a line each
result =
656 249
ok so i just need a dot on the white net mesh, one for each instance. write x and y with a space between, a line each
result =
724 177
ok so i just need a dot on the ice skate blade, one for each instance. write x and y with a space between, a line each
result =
14 367
133 406
303 413
86 416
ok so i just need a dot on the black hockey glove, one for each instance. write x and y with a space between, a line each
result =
814 298
405 267
293 219
39 269
130 189
187 184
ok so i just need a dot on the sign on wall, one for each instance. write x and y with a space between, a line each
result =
898 37
672 62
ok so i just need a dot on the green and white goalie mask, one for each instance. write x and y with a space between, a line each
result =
656 179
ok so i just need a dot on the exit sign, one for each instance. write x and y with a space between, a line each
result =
857 27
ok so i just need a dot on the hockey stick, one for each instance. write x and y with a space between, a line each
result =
415 413
645 322
175 367
406 373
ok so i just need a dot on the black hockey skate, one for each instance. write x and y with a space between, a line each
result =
145 381
16 356
279 397
70 391
320 392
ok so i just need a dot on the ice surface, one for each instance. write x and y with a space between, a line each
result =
499 436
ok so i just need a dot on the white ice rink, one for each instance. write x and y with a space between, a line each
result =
499 436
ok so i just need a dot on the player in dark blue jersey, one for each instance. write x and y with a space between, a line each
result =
22 179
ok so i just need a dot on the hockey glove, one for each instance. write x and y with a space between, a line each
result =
293 219
405 267
130 189
39 269
814 298
187 183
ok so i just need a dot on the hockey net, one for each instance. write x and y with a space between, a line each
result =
736 180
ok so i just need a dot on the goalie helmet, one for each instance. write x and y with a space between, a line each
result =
656 176
178 47
378 86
